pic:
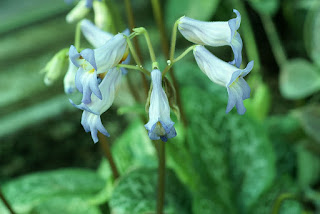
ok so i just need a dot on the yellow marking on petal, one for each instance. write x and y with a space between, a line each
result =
102 75
234 82
91 71
125 55
159 129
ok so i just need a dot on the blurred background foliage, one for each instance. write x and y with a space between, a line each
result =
266 161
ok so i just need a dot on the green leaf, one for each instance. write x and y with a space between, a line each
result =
308 167
134 148
309 118
299 79
265 203
65 205
28 191
265 6
136 193
201 10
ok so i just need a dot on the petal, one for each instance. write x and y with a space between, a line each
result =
236 45
95 36
88 55
92 123
69 79
74 55
78 79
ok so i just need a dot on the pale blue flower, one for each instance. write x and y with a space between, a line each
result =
91 116
214 34
69 79
93 62
224 74
160 126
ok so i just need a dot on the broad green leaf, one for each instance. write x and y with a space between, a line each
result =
299 79
136 193
265 6
134 148
284 132
284 185
252 160
309 118
28 191
201 10
308 167
65 205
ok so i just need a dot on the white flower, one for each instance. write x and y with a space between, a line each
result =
226 75
91 116
93 62
214 34
69 79
78 12
160 126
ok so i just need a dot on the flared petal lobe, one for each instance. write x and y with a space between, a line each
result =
159 126
69 79
92 123
226 75
214 34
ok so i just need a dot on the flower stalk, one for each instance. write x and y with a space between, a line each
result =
161 175
108 154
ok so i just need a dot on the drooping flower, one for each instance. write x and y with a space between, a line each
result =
224 74
160 126
91 112
214 34
97 37
93 62
69 79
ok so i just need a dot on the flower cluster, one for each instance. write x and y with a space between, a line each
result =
225 74
97 76
97 73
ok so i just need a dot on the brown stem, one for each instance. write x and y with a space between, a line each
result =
135 42
6 203
107 152
165 49
161 176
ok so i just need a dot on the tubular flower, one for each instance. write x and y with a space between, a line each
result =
226 75
160 126
93 62
69 79
97 37
214 34
90 120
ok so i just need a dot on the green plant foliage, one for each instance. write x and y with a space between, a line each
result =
266 202
30 191
265 6
284 132
311 32
134 148
65 205
299 79
136 191
311 174
202 9
309 117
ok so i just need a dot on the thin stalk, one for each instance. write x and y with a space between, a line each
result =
165 48
161 176
170 64
77 37
279 201
132 67
173 39
274 40
248 36
129 12
107 152
133 52
149 44
6 203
